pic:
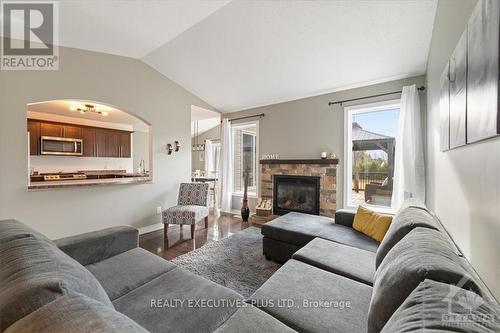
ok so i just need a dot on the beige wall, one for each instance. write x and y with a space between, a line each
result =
462 184
126 83
140 149
304 128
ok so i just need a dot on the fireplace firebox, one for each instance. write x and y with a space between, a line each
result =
296 194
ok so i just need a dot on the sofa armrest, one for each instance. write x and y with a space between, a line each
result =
344 217
92 247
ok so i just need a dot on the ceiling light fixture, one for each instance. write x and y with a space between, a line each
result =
88 108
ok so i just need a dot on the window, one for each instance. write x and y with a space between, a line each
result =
245 156
369 154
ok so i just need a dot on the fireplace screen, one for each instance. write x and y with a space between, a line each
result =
296 194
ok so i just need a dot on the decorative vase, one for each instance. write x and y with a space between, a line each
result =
245 211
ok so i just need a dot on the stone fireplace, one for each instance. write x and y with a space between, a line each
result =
299 192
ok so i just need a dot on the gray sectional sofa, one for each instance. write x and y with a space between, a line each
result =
103 282
333 280
415 280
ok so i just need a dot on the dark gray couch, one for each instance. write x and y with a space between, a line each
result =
333 280
103 282
415 280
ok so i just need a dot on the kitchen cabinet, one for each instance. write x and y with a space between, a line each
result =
125 144
34 130
51 129
112 143
60 130
97 142
88 137
71 131
100 142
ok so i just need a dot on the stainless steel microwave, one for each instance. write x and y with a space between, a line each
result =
51 145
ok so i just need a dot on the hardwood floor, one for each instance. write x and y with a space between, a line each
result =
180 242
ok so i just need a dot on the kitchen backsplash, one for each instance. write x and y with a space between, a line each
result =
44 164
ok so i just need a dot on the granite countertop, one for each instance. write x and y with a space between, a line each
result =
88 182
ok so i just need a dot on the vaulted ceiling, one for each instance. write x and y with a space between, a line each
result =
240 54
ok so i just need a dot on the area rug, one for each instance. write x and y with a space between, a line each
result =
236 262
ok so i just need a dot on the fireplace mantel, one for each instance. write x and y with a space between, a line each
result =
306 161
326 169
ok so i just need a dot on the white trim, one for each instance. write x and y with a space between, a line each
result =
249 195
257 165
150 228
349 112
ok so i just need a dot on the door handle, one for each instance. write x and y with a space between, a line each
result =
75 147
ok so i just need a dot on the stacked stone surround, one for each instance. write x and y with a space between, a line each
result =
326 172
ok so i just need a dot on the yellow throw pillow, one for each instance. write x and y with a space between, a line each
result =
372 224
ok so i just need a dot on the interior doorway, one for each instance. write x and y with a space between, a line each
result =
205 148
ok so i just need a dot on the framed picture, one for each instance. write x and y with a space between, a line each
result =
482 71
444 107
458 93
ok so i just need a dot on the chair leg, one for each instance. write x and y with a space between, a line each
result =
192 230
206 222
165 233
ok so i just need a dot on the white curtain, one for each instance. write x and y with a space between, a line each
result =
409 168
209 158
226 167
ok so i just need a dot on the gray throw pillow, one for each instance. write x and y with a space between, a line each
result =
407 219
75 313
422 254
35 272
444 307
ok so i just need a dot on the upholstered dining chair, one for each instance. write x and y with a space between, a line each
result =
192 206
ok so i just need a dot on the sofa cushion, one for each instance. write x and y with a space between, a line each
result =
423 253
95 246
314 300
179 301
407 219
188 214
250 319
444 307
122 273
299 229
35 272
348 261
12 229
75 313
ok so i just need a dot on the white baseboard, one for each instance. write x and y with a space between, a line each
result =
150 228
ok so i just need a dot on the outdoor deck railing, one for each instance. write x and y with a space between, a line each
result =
363 178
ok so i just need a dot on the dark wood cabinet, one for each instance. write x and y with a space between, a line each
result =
100 142
71 131
112 143
88 137
125 145
51 129
34 131
97 142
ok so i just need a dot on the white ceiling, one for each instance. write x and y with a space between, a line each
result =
128 27
241 54
257 53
